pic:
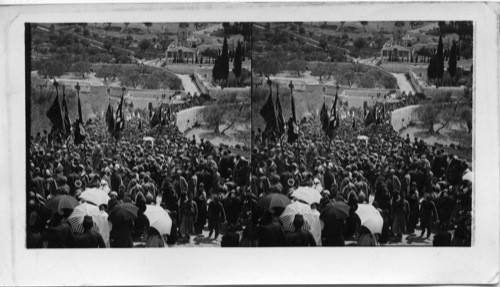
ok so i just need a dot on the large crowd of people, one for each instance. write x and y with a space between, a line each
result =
204 187
414 186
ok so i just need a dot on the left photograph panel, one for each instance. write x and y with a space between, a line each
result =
136 132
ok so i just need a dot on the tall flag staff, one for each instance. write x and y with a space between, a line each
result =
292 122
110 121
279 119
268 112
119 120
54 114
279 113
67 120
79 126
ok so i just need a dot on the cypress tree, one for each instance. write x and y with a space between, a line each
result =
452 62
439 60
216 70
224 61
237 61
431 69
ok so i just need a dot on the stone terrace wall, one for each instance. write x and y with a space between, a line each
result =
401 118
192 115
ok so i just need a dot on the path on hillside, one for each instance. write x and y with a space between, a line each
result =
404 85
189 86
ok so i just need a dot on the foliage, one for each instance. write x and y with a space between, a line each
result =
237 61
51 68
452 62
162 80
359 43
148 25
228 110
316 56
131 79
297 65
266 65
144 44
443 109
80 67
440 60
319 71
108 44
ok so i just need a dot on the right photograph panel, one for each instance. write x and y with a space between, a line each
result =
362 133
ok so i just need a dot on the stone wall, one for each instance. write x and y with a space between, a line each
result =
192 115
401 118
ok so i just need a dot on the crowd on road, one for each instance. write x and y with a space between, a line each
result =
146 166
413 186
312 192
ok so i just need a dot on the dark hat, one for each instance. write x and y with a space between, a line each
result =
298 221
88 222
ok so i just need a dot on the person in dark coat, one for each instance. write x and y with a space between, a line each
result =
121 233
59 234
115 179
270 232
89 238
231 238
201 203
300 237
234 204
172 238
414 208
216 216
428 215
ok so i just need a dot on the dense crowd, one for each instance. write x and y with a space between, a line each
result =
413 186
187 177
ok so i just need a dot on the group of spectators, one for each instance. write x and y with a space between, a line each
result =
416 188
203 187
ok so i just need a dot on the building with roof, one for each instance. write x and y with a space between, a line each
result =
180 54
395 53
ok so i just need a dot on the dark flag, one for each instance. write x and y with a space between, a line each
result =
365 110
79 128
334 119
150 107
280 119
80 116
293 133
55 116
371 117
169 114
110 121
353 123
119 120
140 125
268 113
324 118
67 120
294 117
156 118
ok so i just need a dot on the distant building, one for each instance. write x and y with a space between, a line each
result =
394 52
182 36
409 40
397 35
181 52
